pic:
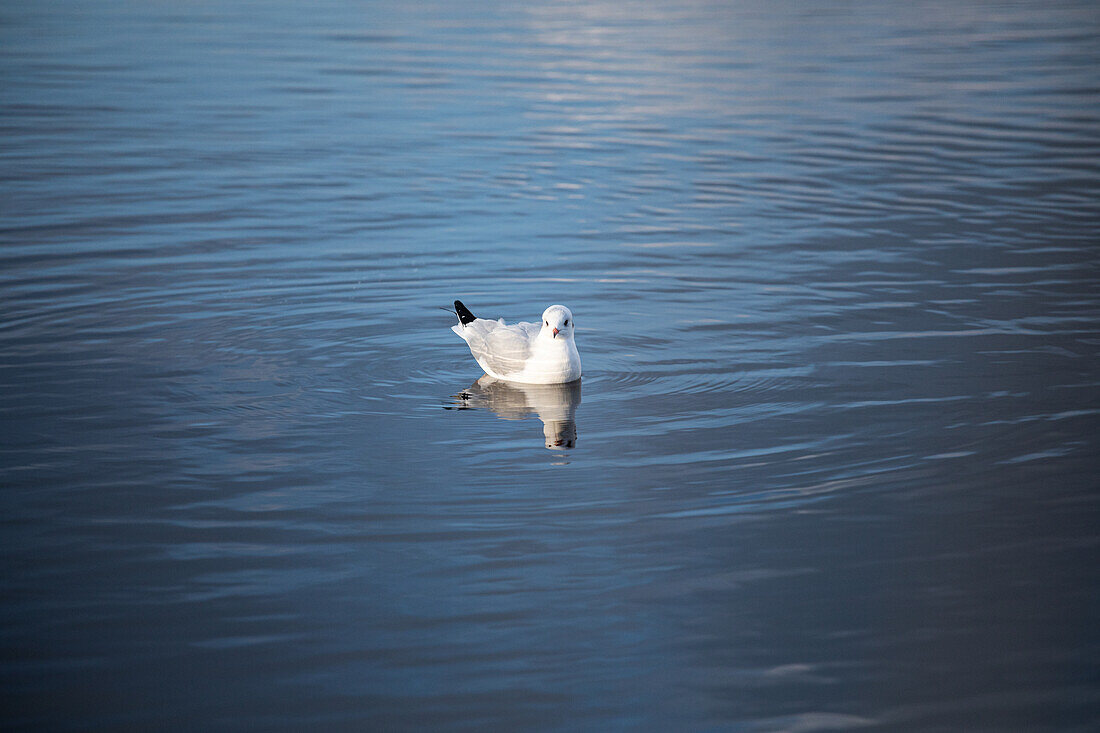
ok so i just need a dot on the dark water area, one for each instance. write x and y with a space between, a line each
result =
835 269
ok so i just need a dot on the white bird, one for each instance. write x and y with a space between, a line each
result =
530 353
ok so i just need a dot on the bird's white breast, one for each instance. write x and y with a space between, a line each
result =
552 362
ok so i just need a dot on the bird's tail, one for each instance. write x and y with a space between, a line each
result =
463 313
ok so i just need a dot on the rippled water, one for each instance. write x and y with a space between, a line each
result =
835 273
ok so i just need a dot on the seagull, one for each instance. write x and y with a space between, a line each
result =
529 353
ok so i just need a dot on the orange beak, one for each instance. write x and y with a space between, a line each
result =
555 332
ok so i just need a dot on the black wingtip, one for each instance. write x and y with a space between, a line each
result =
464 314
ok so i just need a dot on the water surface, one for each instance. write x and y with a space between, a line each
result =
835 273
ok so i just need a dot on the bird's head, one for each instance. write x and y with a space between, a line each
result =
557 322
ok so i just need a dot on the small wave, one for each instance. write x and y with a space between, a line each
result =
691 379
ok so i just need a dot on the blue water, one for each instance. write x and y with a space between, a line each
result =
835 270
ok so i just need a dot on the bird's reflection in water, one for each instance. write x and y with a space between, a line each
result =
554 404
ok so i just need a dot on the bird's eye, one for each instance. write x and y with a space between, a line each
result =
567 321
546 323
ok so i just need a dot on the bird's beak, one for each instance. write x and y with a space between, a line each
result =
555 332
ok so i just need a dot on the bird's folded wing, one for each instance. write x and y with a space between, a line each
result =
503 349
